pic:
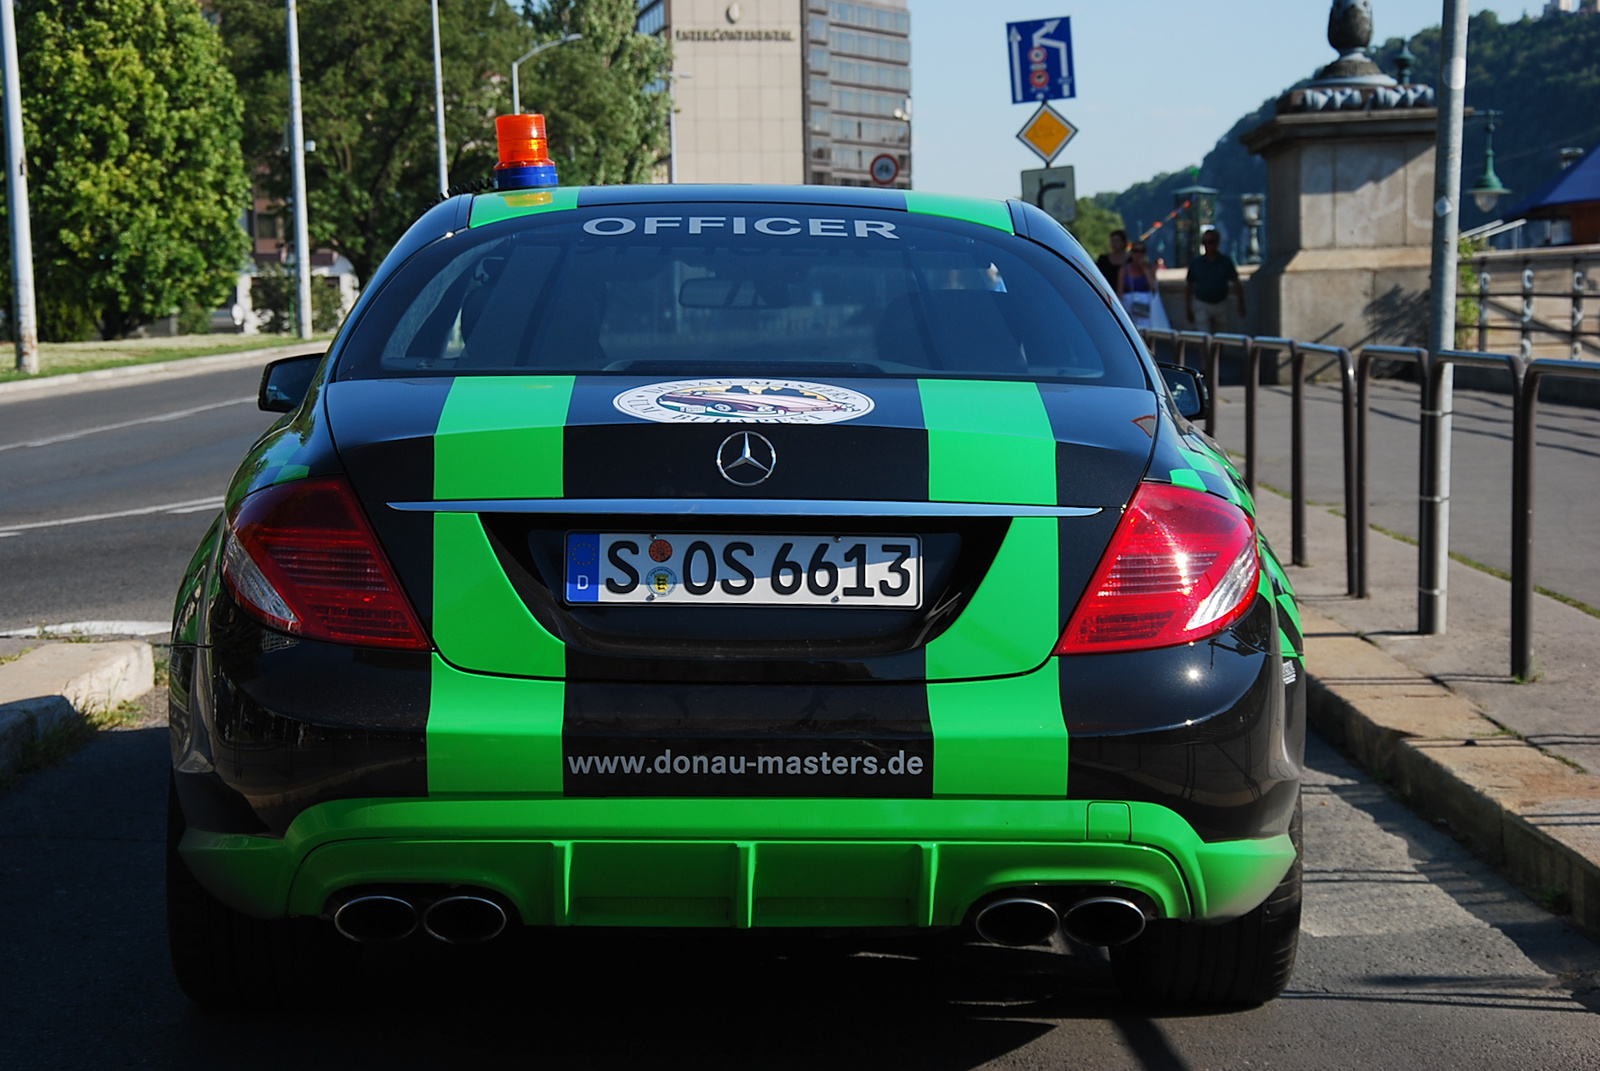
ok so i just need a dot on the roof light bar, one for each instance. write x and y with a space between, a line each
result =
524 153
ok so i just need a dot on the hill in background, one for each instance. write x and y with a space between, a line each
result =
1544 73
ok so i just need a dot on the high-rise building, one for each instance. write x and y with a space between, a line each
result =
788 91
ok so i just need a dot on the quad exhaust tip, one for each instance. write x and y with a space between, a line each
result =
1103 920
464 920
1017 921
375 919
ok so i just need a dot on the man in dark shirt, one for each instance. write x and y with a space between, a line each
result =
1211 276
1110 264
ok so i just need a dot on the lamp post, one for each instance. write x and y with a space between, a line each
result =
1488 189
672 124
25 325
516 88
297 164
438 98
1251 205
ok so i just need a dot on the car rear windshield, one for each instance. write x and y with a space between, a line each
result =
699 289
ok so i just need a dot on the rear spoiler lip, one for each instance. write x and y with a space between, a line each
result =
743 507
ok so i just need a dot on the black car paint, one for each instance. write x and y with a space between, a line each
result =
255 738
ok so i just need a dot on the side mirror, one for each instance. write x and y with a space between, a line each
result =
1188 389
284 383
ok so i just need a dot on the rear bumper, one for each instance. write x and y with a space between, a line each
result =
738 863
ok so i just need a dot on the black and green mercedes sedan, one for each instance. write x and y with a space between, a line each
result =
800 560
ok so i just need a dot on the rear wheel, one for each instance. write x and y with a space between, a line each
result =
1246 961
226 959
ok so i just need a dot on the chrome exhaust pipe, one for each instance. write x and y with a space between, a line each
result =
375 919
1103 920
464 920
1017 921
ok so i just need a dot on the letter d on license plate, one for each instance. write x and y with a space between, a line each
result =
745 570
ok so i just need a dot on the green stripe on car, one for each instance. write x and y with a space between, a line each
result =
494 207
1001 737
996 214
501 437
988 441
493 734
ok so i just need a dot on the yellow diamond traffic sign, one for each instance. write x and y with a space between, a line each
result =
1047 133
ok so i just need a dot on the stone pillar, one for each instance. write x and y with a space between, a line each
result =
1349 224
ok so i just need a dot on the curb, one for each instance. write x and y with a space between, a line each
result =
57 684
1524 812
128 375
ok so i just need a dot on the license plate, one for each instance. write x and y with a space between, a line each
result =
745 570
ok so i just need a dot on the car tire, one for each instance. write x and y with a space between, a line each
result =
225 959
1246 961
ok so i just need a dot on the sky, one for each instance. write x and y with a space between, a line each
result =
1159 81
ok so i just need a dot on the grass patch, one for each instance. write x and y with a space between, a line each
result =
61 358
55 744
1556 901
13 657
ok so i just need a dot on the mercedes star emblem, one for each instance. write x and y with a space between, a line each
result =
746 458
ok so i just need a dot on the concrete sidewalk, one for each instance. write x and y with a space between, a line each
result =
1511 768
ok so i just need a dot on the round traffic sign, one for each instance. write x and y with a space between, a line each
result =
885 169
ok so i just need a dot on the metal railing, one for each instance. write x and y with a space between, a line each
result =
1435 382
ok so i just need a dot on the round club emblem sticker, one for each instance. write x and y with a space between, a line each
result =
744 401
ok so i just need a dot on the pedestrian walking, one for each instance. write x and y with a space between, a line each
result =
1211 275
1110 264
1140 292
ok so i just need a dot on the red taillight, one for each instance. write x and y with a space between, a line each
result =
1182 565
302 558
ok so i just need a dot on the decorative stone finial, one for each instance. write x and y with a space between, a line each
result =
1350 25
1353 82
1350 32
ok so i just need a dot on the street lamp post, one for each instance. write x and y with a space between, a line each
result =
438 98
297 156
1488 189
25 324
1434 583
516 88
672 124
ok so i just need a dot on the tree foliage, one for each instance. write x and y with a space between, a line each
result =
1094 225
136 181
367 92
604 96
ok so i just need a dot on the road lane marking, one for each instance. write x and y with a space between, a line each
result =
91 628
159 418
194 505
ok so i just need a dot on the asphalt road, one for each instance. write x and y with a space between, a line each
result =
160 451
1413 955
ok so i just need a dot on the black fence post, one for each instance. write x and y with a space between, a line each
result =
1526 412
1252 385
1297 456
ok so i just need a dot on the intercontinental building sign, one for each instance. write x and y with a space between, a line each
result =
733 35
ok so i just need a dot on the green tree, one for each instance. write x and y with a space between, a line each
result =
367 88
604 96
136 180
1094 225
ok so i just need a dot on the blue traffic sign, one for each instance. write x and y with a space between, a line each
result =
1041 60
